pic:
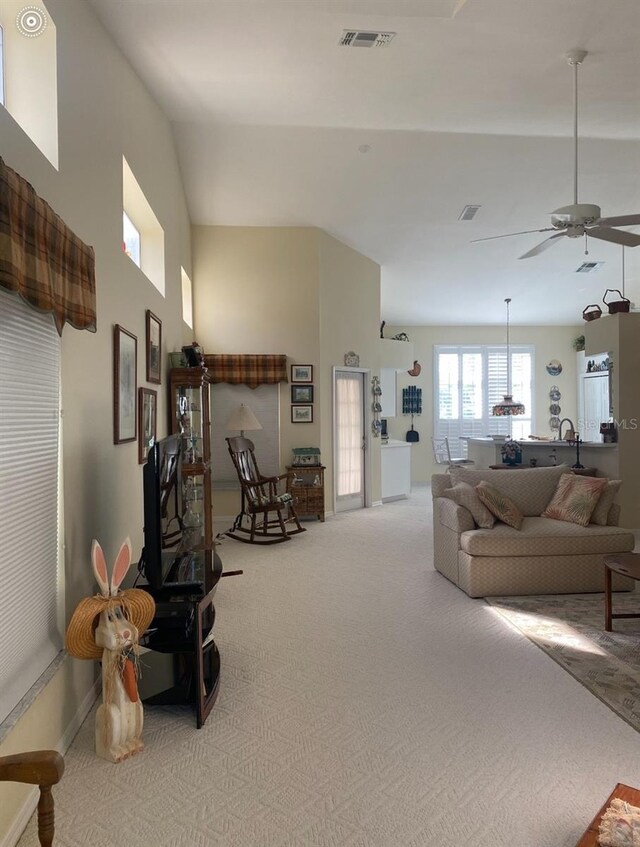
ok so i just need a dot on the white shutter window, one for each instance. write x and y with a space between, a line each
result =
469 381
264 402
30 637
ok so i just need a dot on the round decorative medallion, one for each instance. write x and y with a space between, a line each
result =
554 368
554 394
555 409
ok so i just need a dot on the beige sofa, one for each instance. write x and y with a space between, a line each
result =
545 556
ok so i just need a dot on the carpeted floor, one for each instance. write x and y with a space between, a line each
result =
365 701
569 628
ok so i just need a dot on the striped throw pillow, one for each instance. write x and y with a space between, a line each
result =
500 505
575 499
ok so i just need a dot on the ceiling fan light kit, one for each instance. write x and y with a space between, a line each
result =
579 219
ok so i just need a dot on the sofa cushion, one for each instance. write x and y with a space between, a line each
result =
531 489
546 537
600 514
465 495
500 505
575 499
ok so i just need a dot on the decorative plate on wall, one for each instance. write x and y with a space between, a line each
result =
554 422
554 368
555 409
554 394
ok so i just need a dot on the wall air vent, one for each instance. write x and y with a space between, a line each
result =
588 267
363 38
468 213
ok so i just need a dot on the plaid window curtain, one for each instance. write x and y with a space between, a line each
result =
245 369
41 258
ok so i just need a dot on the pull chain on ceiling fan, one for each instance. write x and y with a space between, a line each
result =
579 219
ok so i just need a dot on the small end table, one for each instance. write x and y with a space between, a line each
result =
621 792
626 564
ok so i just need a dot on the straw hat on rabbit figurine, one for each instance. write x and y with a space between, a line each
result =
107 627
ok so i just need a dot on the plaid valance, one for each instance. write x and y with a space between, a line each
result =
251 370
41 259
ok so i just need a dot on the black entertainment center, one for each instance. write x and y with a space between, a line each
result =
181 662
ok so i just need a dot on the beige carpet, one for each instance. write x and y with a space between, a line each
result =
569 628
365 702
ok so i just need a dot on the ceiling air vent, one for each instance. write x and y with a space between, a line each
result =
362 38
588 267
468 213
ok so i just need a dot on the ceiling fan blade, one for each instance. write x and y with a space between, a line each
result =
617 236
509 234
621 220
544 245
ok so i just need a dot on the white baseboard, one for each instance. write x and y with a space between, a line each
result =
377 503
31 802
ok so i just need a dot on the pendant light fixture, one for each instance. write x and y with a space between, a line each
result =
508 406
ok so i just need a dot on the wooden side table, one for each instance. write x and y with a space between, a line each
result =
626 564
621 792
306 485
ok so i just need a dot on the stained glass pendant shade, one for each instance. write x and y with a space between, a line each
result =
508 406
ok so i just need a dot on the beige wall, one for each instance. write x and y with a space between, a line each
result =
549 342
104 112
288 290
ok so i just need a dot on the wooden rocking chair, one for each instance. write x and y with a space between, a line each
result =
43 768
268 511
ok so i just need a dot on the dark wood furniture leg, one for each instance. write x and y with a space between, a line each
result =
43 768
607 598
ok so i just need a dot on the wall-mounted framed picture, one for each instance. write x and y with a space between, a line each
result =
125 365
147 415
154 348
301 373
302 393
302 414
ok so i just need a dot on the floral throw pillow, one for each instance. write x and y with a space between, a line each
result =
464 495
575 499
500 505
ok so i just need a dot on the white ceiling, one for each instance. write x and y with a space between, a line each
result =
270 116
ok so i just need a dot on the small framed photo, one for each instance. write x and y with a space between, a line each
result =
154 348
301 373
302 393
147 414
302 414
125 366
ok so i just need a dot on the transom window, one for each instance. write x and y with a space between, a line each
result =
469 380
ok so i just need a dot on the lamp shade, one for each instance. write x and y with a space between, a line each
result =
508 406
243 418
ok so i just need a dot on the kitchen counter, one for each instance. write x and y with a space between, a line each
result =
486 451
396 469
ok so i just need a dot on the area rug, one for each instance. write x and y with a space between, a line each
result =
570 629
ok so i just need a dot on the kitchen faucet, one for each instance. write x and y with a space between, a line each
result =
571 433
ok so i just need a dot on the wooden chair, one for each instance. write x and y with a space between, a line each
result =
43 768
267 510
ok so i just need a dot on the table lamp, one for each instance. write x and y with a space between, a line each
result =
243 418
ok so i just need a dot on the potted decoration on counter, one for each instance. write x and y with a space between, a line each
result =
511 453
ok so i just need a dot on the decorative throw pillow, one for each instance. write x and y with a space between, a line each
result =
464 495
601 512
500 505
575 499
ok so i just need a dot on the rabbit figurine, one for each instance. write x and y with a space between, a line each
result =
108 626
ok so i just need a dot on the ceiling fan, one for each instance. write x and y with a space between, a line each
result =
579 219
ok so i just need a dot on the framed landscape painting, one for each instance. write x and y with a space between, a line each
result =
154 348
125 358
302 393
302 414
301 373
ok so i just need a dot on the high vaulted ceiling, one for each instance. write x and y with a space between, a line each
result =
470 103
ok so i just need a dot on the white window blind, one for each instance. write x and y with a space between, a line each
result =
264 402
470 380
29 444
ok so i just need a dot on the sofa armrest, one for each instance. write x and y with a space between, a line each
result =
452 515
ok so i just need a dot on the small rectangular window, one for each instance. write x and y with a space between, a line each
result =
2 101
130 239
187 299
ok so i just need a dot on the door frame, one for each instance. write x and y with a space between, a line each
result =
366 372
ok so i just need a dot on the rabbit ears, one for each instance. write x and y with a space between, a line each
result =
123 560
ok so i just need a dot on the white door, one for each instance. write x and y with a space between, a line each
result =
350 440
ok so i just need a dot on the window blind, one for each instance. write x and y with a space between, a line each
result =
264 402
29 445
469 381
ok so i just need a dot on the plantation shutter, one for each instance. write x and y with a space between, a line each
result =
469 381
29 445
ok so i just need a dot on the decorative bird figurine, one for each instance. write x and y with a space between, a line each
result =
415 370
